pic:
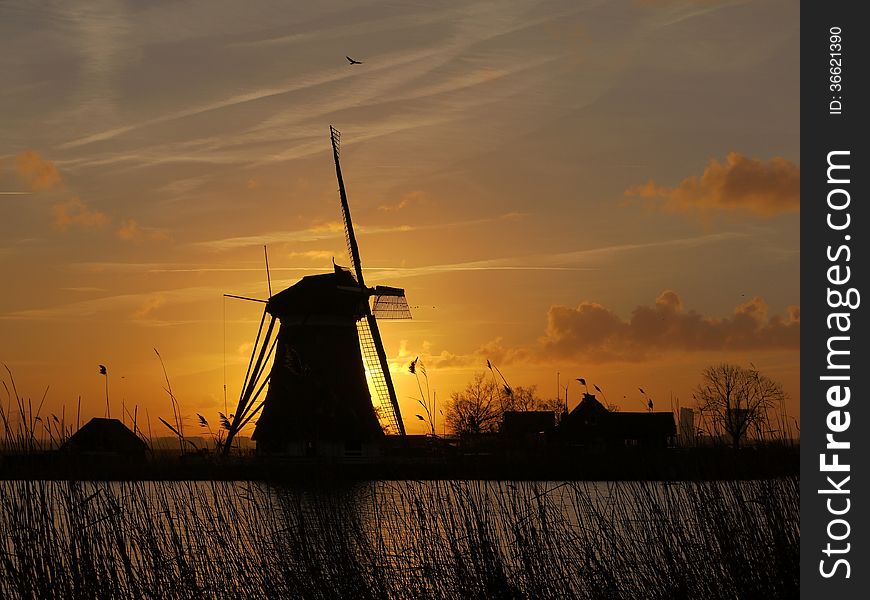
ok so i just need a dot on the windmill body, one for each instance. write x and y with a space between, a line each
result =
328 355
318 400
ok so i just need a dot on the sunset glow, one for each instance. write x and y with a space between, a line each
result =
605 190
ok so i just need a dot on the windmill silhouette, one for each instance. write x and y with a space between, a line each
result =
328 358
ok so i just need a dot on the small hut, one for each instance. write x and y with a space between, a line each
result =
107 437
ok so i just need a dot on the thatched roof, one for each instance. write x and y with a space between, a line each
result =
105 435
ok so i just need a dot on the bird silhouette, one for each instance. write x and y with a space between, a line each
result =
352 61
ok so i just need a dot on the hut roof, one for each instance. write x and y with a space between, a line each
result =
105 435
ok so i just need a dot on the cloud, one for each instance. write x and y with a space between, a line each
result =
113 307
443 360
594 334
578 260
740 184
130 231
36 172
335 230
74 212
597 334
312 254
416 197
151 304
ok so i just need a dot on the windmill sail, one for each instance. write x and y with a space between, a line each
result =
391 307
377 381
371 345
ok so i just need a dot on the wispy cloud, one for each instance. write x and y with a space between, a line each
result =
119 307
333 230
149 306
586 259
312 254
396 76
411 198
292 85
131 231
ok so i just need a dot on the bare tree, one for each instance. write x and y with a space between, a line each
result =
480 407
737 399
476 409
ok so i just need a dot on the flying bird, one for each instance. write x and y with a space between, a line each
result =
352 61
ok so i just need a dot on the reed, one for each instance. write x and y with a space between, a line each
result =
437 539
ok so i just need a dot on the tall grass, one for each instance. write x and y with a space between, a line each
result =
727 539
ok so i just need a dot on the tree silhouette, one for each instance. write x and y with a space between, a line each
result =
479 408
476 409
737 399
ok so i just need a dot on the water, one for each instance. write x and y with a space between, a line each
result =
399 539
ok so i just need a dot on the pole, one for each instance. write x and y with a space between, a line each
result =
108 413
558 386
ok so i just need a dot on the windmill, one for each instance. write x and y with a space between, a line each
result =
328 357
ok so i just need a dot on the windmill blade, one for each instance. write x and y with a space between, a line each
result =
350 237
264 348
389 306
370 338
376 364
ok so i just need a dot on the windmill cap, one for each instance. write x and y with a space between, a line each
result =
335 293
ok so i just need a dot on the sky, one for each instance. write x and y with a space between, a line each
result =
596 189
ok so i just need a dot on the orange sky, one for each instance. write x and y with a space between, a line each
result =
607 190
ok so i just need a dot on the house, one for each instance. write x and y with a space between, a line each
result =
591 425
517 423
